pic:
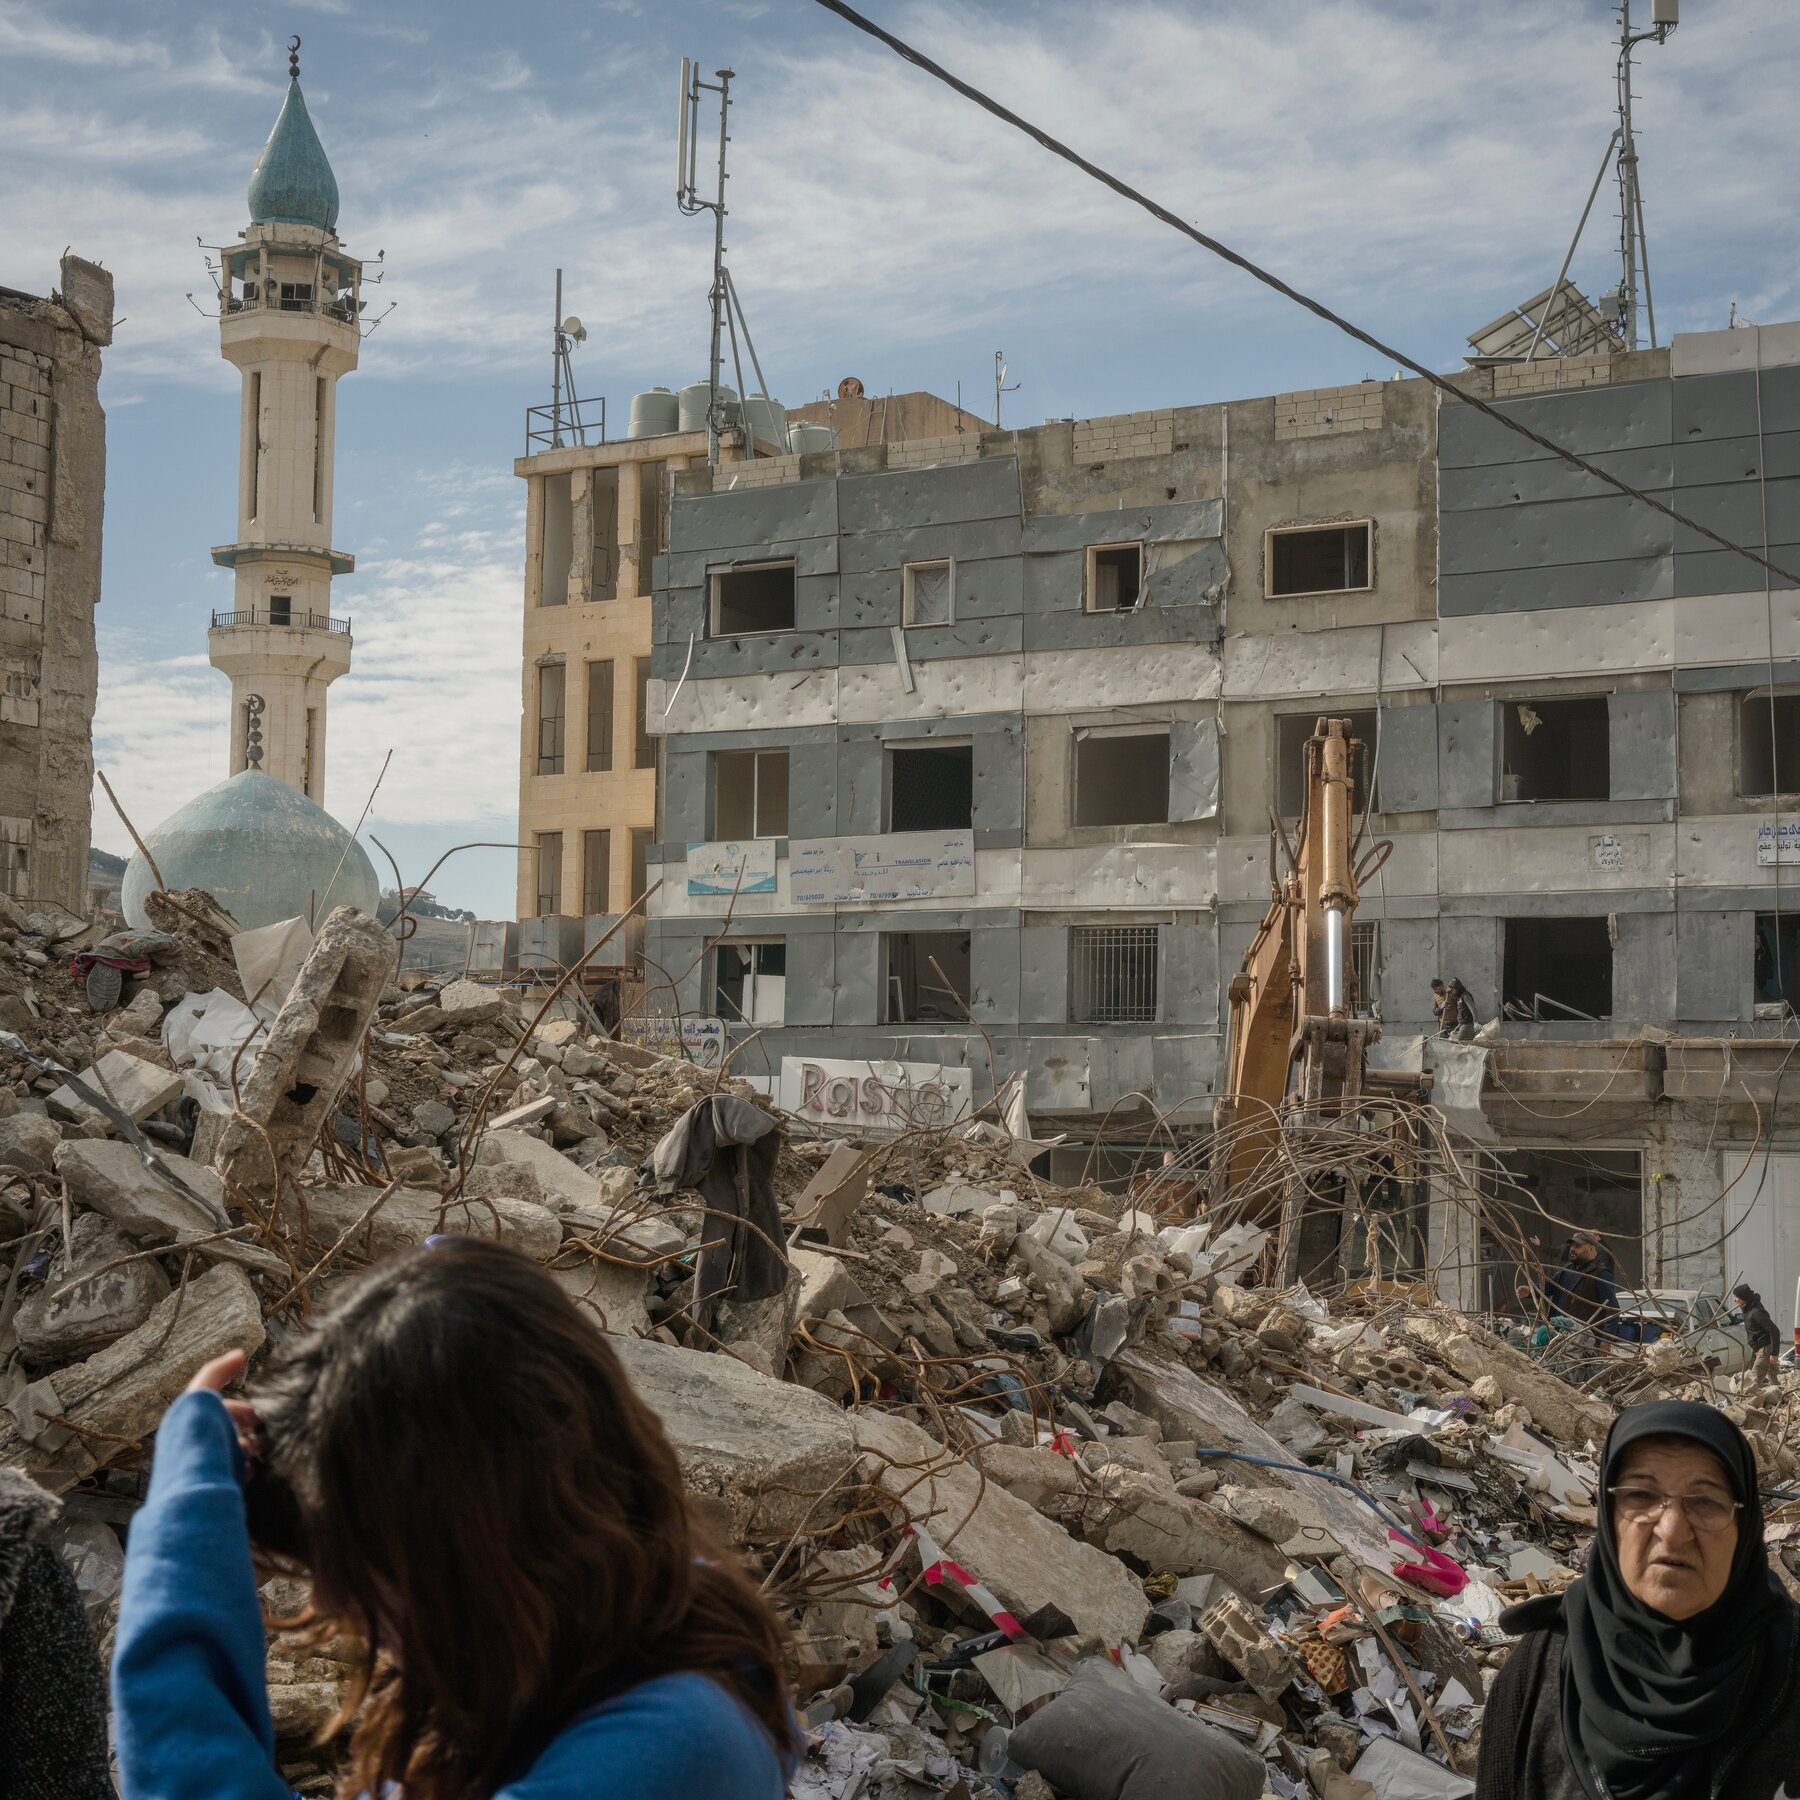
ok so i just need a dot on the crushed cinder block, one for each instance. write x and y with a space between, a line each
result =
307 1055
1239 1635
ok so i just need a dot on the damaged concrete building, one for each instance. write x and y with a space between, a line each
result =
52 493
970 749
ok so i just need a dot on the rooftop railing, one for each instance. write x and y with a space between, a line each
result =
563 424
294 621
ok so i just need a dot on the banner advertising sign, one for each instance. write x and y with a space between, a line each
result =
715 868
701 1038
875 1098
902 865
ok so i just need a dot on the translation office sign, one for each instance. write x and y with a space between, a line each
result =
900 865
735 866
1777 842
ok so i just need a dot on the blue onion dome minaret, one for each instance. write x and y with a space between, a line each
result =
292 183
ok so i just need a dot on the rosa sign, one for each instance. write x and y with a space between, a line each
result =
875 1097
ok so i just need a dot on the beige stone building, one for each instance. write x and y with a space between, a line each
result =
52 490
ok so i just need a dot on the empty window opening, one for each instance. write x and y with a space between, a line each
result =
1121 779
931 787
256 435
1777 973
558 541
1113 977
1115 576
1769 744
1548 1195
1554 749
603 500
753 597
928 593
640 863
596 872
1292 731
649 519
549 872
1557 969
281 607
750 794
600 716
926 977
1330 559
750 987
644 751
296 296
318 443
551 684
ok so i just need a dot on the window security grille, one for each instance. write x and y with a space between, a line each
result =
1114 974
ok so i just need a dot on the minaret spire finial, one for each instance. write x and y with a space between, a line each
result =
294 58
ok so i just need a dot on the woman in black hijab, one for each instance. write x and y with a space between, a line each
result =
1667 1671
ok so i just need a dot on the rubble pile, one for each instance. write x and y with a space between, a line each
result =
1043 1482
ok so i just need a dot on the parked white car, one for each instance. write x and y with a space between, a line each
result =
1711 1326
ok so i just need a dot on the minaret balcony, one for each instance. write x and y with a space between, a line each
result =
291 619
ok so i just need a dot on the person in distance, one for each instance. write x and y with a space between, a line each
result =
458 1459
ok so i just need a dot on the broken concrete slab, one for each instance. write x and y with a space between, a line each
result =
28 1140
761 1448
612 1296
1024 1559
834 1193
469 1003
1047 1482
136 1087
1066 1295
529 1114
561 1180
1552 1403
1147 1519
54 1325
123 1390
826 1284
308 1054
408 1216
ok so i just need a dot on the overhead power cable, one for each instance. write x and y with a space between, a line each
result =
1057 148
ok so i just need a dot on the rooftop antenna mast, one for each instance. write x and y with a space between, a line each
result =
1634 252
687 197
564 335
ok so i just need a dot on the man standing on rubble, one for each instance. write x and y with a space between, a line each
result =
1585 1288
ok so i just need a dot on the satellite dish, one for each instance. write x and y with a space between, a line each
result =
573 327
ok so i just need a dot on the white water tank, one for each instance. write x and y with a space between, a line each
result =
654 414
767 419
807 440
697 396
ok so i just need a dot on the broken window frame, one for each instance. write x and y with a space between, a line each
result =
909 574
715 599
549 873
1763 698
1105 988
1512 727
552 717
767 986
1775 945
919 747
1541 1006
1090 578
1084 735
768 794
556 539
603 515
596 873
1366 586
922 979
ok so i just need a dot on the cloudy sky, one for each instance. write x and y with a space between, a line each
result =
1419 163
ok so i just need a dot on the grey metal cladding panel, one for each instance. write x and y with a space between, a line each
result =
858 970
1574 584
684 796
1073 629
930 643
1631 416
1550 478
1723 679
1715 966
811 978
1189 519
896 499
1406 774
1190 974
1052 583
1726 572
1715 406
1699 461
1735 510
1466 753
789 737
764 653
685 569
1186 1069
1185 583
1409 959
952 725
1524 903
815 603
737 521
1644 968
813 794
1043 975
1469 949
1000 778
1194 769
1234 940
1552 533
1512 815
1122 1066
994 974
859 780
677 612
970 540
1640 736
677 955
991 587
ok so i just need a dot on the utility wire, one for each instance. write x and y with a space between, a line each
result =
1056 148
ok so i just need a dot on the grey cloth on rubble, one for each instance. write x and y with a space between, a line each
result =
52 1687
726 1149
1104 1738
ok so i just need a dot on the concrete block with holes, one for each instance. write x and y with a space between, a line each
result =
308 1055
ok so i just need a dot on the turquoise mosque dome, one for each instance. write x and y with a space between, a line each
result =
292 183
261 849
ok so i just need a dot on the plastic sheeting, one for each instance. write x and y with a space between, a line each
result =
205 1032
